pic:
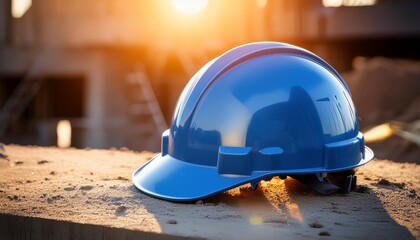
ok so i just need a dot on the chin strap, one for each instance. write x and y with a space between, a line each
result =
343 181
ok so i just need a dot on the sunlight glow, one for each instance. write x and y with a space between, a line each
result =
19 7
190 6
378 133
348 3
294 211
255 220
261 3
64 134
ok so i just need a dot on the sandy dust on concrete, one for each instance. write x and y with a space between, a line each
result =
94 186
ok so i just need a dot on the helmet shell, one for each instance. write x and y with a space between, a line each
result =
259 110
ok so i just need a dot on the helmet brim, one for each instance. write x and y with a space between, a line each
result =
171 179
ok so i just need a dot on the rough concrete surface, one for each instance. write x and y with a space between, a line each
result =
93 188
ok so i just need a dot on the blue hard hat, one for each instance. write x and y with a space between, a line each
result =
260 110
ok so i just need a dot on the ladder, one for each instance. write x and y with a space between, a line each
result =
23 94
144 110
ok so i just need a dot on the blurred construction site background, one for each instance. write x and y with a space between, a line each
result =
107 73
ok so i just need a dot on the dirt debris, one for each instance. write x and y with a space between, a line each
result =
51 200
385 182
362 189
3 156
123 178
86 187
13 198
171 221
316 225
413 193
120 211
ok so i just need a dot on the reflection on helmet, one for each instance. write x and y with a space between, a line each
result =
260 110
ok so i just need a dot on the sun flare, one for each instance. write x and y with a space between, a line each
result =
190 6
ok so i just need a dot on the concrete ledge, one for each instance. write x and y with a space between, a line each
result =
59 194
